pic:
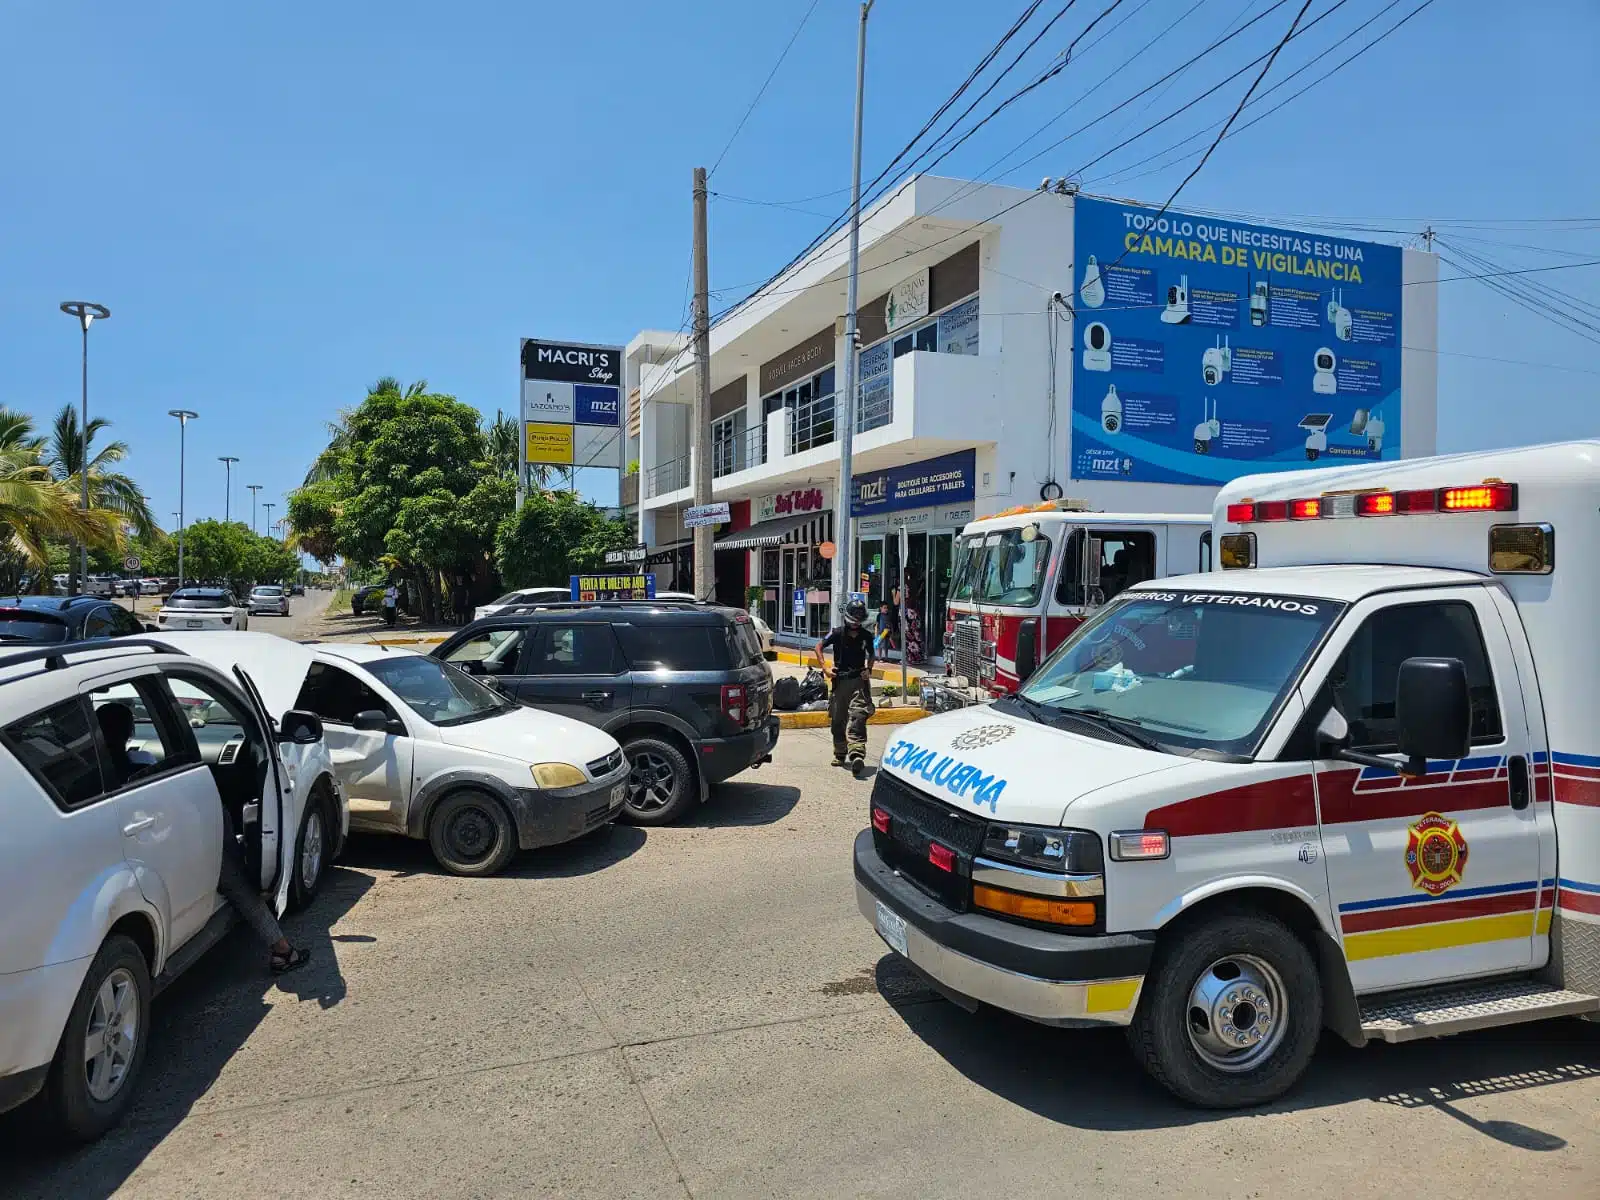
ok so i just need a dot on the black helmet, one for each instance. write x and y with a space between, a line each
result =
855 613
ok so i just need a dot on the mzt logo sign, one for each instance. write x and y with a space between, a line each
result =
571 404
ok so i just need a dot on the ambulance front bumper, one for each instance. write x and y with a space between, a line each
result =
1053 978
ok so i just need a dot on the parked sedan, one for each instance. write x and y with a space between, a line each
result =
538 595
202 608
269 598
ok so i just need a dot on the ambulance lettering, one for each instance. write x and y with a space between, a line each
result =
960 779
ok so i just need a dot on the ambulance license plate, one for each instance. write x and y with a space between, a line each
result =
893 928
618 794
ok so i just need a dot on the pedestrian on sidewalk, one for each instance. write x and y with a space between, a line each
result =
850 703
391 605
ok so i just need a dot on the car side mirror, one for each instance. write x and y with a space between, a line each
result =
300 727
371 720
149 628
1027 650
1434 710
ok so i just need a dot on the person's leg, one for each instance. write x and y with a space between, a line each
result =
236 888
838 713
860 708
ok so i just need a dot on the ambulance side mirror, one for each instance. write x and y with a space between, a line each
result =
1433 710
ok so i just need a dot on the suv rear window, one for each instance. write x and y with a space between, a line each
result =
674 647
20 625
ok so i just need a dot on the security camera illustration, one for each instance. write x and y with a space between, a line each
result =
1323 382
1316 427
1111 411
1370 426
1339 316
1093 291
1216 362
1177 309
1208 430
1259 303
1097 346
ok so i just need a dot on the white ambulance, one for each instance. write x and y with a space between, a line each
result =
1350 780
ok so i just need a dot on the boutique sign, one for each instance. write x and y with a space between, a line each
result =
800 500
944 480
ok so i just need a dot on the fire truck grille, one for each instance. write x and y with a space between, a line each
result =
915 821
967 650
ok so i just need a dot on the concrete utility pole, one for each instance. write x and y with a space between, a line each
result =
700 428
845 405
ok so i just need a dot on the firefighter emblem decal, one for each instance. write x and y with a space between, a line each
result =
983 735
1436 854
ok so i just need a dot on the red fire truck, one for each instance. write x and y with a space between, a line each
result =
1025 578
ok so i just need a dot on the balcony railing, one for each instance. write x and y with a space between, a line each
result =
813 424
746 449
667 477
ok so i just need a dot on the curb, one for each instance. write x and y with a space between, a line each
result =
818 719
887 672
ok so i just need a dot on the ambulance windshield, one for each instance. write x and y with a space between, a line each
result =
1185 670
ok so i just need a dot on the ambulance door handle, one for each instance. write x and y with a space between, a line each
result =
1517 768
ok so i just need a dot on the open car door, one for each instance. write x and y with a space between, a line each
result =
277 814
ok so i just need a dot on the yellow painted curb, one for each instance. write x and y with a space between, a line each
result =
818 719
889 672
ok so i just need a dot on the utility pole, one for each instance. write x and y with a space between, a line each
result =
700 428
845 405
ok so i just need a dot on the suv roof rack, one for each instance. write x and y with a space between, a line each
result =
54 655
535 605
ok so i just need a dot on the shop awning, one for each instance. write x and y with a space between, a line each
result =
768 533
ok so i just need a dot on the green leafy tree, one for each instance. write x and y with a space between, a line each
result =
554 535
38 512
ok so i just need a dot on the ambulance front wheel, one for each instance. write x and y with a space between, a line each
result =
1231 1011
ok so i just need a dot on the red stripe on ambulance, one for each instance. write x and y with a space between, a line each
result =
1439 910
1273 804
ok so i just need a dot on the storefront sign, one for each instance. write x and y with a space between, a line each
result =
572 362
706 514
629 554
614 587
907 301
927 484
800 500
547 443
809 357
578 387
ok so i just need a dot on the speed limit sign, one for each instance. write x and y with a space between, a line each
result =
131 563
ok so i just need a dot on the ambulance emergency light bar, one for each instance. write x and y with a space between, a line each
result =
1490 496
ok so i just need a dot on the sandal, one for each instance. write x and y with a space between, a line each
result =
297 957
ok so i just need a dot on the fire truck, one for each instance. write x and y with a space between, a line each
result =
1024 579
1348 780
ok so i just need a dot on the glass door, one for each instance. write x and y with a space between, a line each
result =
941 548
915 598
788 622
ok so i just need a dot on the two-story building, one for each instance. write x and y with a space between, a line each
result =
965 401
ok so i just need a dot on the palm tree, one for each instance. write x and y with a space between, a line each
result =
109 490
326 464
505 446
35 507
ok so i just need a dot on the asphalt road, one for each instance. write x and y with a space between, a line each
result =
700 1011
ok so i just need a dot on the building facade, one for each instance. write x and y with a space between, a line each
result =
979 389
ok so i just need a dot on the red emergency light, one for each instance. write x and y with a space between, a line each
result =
880 820
942 856
1375 504
1490 496
1486 497
1305 510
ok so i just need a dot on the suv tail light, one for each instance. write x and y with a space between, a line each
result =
733 702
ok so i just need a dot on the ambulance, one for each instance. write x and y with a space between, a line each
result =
1024 579
1350 780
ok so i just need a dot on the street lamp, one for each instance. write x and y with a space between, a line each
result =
227 461
252 488
87 312
184 416
269 506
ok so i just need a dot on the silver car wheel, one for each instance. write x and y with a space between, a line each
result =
311 850
1237 1013
112 1037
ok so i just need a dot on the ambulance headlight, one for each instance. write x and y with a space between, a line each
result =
1040 848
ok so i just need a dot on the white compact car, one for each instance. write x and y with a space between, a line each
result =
116 760
538 595
268 598
425 750
202 608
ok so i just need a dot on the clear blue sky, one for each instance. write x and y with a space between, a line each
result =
281 203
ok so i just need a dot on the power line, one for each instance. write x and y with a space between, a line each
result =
762 91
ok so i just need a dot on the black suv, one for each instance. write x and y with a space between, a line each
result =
682 686
64 619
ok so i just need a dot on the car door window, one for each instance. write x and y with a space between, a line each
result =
59 748
138 734
1363 680
489 652
337 696
587 649
1126 558
98 623
124 623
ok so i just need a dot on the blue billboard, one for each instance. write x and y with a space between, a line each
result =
1207 349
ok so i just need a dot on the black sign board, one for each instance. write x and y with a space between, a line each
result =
631 554
571 363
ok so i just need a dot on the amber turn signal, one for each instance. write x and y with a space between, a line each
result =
1033 908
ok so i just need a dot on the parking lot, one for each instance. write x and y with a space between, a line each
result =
699 1010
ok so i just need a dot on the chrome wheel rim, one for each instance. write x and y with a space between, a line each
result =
311 850
112 1036
651 782
470 834
1237 1014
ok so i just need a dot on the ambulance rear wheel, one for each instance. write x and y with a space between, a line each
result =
1231 1011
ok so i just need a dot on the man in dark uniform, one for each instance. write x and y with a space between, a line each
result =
851 701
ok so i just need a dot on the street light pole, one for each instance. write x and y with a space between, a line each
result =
87 312
184 416
845 421
252 488
227 461
269 506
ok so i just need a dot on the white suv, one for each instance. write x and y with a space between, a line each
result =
115 761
